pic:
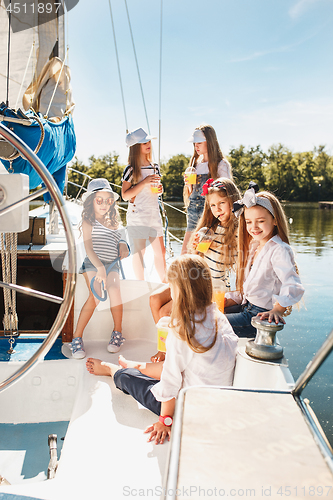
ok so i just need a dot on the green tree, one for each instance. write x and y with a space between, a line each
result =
281 172
173 176
248 165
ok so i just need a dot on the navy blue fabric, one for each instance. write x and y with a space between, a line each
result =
133 382
57 150
241 320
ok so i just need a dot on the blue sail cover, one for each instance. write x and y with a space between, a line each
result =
57 150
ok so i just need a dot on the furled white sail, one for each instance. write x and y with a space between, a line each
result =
36 52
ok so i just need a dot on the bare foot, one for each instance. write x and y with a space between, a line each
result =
159 356
126 363
98 367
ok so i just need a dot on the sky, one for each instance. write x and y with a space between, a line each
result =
259 71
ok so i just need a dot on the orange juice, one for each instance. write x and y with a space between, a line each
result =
191 178
162 333
203 246
218 298
154 189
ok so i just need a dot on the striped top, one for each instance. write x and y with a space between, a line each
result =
146 170
214 259
105 242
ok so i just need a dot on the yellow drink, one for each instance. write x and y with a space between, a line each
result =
191 178
203 246
218 298
161 332
154 189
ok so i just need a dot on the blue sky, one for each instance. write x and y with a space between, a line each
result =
258 71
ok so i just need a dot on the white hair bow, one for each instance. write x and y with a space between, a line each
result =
250 200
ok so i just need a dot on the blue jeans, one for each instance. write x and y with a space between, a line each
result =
133 382
241 320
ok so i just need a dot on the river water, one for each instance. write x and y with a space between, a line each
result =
311 235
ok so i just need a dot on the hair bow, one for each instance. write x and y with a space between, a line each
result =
249 199
210 183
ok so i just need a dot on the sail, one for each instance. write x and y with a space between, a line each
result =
33 74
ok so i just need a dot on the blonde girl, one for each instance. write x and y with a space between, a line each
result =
141 187
102 240
201 347
209 162
218 216
267 280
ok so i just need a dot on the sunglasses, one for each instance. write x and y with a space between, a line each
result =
100 201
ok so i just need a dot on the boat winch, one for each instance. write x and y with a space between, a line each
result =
265 346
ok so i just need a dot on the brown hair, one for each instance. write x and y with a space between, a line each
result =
191 275
244 240
111 218
227 189
134 160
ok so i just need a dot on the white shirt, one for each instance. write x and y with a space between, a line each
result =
223 168
272 277
184 367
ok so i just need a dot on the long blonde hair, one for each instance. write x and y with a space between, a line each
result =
215 154
225 188
244 239
134 160
191 276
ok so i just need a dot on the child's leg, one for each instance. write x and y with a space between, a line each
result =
161 303
241 321
186 240
138 255
116 306
159 256
98 367
152 370
88 307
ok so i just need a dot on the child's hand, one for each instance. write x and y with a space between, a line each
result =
229 303
160 188
159 432
158 357
273 315
100 275
123 251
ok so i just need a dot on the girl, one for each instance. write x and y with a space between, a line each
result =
101 236
267 277
222 253
201 347
209 162
141 186
218 216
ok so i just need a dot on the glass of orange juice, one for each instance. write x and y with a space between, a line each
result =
154 188
162 333
206 236
218 297
190 175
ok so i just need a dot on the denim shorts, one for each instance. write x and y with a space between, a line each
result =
194 212
87 265
240 319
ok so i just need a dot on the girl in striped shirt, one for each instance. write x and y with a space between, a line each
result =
102 240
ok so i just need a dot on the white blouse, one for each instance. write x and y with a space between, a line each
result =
184 367
223 168
272 277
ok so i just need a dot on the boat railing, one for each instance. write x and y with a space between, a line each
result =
67 299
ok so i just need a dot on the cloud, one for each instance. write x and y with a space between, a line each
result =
300 7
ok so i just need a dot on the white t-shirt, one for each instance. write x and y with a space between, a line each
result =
184 367
223 168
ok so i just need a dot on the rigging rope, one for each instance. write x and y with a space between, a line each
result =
25 74
8 48
119 72
137 66
9 272
160 89
56 85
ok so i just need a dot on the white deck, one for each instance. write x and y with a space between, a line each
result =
250 444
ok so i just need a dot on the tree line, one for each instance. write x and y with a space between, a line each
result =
291 176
